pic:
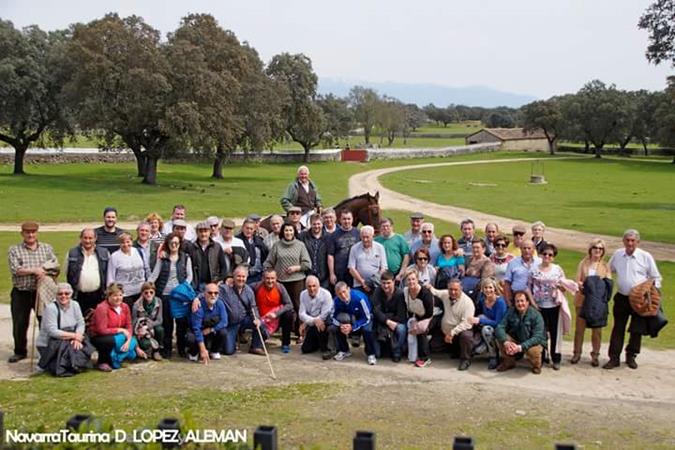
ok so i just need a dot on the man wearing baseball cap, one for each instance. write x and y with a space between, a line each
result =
26 262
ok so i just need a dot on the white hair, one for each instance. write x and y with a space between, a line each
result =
367 229
632 232
539 223
427 226
301 168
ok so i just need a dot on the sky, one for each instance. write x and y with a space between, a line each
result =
534 47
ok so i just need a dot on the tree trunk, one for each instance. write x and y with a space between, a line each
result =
218 163
596 150
150 176
552 146
306 156
19 154
141 160
587 146
644 145
624 143
366 135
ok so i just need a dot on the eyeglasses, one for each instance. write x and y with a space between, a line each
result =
427 231
500 245
423 259
149 291
211 292
293 212
547 254
597 248
518 233
62 293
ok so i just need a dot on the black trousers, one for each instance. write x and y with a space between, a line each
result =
104 345
181 330
550 316
88 300
622 312
22 302
315 340
213 342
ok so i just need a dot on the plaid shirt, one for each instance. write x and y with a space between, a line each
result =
21 257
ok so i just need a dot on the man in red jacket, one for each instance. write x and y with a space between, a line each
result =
275 308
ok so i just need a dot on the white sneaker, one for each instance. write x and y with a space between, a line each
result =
342 355
214 355
193 358
372 360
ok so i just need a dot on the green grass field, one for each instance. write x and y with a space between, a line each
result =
603 196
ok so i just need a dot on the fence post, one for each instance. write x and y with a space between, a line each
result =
364 440
265 436
462 443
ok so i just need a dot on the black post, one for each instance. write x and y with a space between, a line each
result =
565 446
462 443
2 428
169 423
75 422
265 438
364 440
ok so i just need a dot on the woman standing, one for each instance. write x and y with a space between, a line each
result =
593 264
173 268
156 225
128 268
426 274
290 259
478 269
545 279
500 257
420 305
450 262
491 311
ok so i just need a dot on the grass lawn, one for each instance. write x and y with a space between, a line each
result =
603 196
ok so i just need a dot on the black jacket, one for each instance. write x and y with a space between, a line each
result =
250 248
597 292
318 253
211 265
76 260
393 309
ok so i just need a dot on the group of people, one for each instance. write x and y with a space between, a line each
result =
318 279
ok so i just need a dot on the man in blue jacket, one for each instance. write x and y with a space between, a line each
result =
208 324
352 313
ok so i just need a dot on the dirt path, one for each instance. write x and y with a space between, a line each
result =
573 240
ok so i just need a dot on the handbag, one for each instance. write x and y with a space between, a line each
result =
180 298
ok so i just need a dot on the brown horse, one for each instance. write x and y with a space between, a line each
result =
365 208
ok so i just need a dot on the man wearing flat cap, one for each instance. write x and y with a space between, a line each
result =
414 233
26 262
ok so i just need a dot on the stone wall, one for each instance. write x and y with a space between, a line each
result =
410 153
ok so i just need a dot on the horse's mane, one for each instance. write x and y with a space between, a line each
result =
366 195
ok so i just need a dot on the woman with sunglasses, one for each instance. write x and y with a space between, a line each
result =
545 279
450 262
593 264
426 273
501 257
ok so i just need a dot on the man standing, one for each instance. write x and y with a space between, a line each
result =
234 248
329 221
518 232
295 217
517 274
209 261
428 241
491 232
367 259
302 193
396 248
538 229
351 313
338 249
26 262
179 213
468 228
316 241
208 325
257 251
87 270
275 228
456 324
391 315
144 244
107 235
632 267
414 233
316 306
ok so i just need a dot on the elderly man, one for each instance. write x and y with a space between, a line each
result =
144 244
275 227
632 266
329 221
316 307
517 276
208 325
351 313
367 260
107 235
538 229
257 251
491 232
214 225
87 270
427 241
179 213
518 232
391 316
210 264
295 217
414 233
396 248
316 241
456 324
276 309
338 249
302 193
234 248
26 262
468 229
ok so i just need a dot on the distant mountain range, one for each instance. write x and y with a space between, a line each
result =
423 94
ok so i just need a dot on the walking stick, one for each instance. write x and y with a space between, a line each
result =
269 362
35 325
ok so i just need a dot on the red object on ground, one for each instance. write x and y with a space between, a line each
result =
355 155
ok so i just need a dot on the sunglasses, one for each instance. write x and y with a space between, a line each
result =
427 231
598 248
423 259
518 233
500 245
294 212
212 293
547 254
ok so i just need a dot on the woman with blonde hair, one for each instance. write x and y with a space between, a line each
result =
491 310
156 225
593 264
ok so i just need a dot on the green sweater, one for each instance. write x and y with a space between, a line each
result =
527 330
289 253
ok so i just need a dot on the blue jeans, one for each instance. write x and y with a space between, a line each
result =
398 341
341 340
232 331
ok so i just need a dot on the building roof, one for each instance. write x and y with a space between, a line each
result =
512 134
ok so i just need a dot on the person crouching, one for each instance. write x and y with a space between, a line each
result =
206 336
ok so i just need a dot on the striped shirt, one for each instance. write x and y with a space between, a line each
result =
107 240
22 257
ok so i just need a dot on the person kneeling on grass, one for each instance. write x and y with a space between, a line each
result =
276 309
147 319
521 333
206 336
111 331
351 313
